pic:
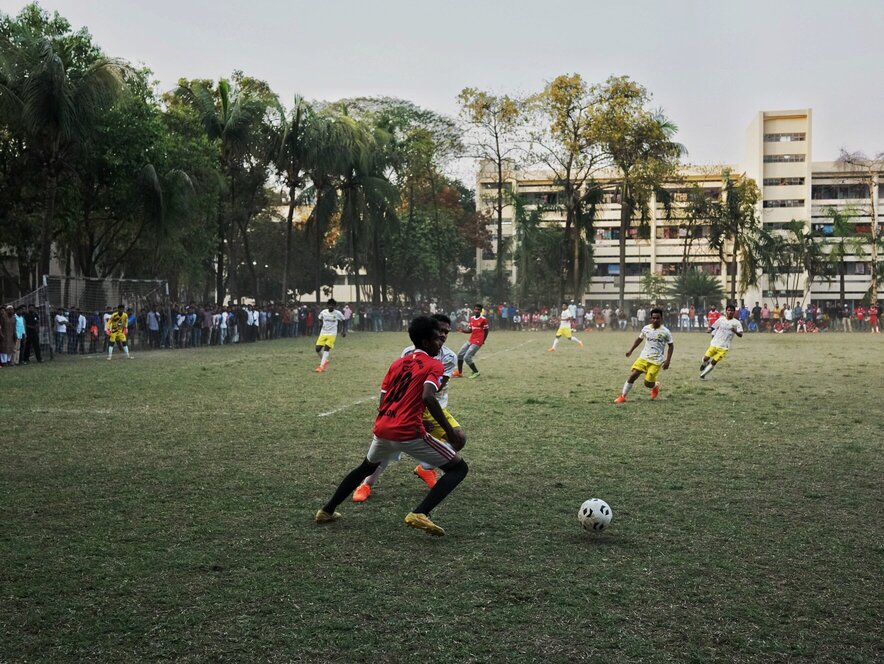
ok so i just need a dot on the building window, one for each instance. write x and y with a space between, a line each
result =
820 192
787 158
668 269
783 182
785 138
785 203
709 268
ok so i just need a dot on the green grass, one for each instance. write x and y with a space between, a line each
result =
161 508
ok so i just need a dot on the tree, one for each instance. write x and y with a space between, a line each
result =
493 123
639 143
698 287
564 139
733 221
653 286
844 242
53 86
870 170
538 255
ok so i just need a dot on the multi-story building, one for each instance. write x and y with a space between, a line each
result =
792 187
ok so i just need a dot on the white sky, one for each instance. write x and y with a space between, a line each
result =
710 64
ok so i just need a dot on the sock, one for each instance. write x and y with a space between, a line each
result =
324 359
110 351
348 484
626 387
459 366
371 479
444 486
126 350
473 367
555 342
575 340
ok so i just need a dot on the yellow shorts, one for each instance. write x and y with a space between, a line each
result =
327 340
564 332
649 369
114 337
434 428
716 354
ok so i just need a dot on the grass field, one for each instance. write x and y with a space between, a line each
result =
161 508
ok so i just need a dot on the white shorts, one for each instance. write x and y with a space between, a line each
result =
429 450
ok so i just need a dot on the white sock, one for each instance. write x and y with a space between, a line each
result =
555 342
126 350
110 351
575 340
324 358
626 387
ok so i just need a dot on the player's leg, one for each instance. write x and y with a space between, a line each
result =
554 344
110 347
633 376
651 381
443 455
576 340
363 491
378 451
461 354
468 358
124 344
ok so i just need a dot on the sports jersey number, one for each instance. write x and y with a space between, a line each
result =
398 388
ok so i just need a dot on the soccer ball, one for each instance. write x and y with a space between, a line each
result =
594 514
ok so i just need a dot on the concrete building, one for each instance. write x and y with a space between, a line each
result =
792 186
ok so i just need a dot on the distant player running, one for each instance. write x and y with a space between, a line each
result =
116 328
478 334
651 360
723 331
565 328
425 471
409 388
330 318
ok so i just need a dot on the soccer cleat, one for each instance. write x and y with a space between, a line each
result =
109 358
705 371
428 475
655 391
580 343
363 491
456 374
620 399
320 368
324 517
475 374
550 350
422 521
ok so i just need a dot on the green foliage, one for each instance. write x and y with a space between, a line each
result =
696 287
653 286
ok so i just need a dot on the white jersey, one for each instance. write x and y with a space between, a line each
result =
330 321
565 320
656 340
448 358
724 331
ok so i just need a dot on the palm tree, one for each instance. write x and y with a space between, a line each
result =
229 115
698 287
845 242
55 105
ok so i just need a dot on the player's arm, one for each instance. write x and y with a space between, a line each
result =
635 344
739 331
668 359
455 436
485 338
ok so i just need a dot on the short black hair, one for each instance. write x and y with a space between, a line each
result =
479 305
657 310
442 318
730 306
331 301
421 329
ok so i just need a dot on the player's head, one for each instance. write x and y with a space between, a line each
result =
477 309
729 311
121 308
424 334
331 303
564 305
444 325
656 317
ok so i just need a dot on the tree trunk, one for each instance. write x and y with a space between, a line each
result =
873 194
48 219
219 274
288 246
842 269
625 219
318 246
499 276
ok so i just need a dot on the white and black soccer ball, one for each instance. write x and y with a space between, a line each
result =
595 514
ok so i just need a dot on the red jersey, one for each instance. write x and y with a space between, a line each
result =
400 413
712 316
478 325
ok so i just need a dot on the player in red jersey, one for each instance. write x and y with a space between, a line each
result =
410 386
478 334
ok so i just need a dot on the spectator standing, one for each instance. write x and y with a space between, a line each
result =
32 334
7 336
61 330
19 334
348 315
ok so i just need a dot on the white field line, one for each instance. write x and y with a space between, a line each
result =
349 405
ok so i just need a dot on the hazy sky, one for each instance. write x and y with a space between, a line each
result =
710 64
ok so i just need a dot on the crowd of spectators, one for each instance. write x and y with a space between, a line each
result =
74 331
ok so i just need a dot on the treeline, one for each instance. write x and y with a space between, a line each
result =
206 185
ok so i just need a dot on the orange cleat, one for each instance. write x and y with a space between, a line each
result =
620 399
580 343
456 374
655 391
319 369
550 350
363 491
427 475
